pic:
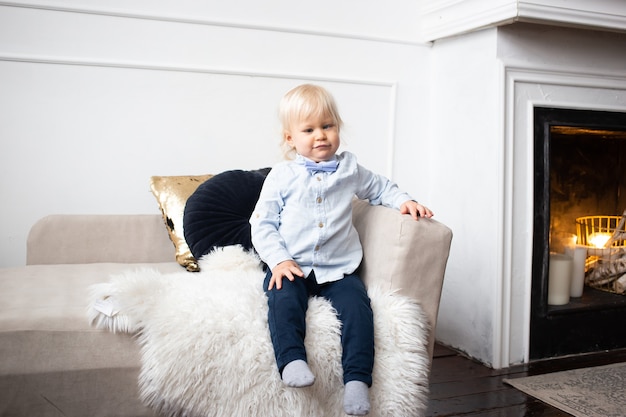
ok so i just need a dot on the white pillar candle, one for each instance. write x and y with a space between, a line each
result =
578 254
559 279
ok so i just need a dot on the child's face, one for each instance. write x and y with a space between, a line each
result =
316 138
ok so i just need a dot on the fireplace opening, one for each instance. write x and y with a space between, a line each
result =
579 177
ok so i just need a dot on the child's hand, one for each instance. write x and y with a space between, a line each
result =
415 209
288 269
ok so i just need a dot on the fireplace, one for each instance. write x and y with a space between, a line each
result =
579 170
492 202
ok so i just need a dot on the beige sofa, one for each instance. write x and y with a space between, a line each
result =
53 363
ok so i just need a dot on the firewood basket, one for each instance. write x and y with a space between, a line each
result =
605 239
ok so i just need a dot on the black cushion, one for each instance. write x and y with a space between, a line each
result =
218 212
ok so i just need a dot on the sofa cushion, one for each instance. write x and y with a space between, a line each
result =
171 193
98 238
52 361
218 212
43 319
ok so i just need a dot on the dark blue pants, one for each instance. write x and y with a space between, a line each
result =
287 312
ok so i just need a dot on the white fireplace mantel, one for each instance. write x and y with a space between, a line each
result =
487 83
525 89
445 18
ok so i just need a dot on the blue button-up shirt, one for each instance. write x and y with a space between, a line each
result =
306 216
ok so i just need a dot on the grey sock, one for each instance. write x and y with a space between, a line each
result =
297 374
356 400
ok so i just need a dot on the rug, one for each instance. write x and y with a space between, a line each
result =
589 392
206 348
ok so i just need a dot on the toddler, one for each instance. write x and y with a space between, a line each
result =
302 229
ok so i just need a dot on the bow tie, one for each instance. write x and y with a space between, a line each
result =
326 166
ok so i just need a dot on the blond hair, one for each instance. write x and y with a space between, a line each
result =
303 102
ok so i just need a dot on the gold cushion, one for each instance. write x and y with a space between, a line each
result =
172 193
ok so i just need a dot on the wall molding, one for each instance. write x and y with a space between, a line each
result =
41 59
392 85
209 22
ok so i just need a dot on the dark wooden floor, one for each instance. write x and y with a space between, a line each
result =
462 387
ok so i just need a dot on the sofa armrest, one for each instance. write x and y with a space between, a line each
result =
404 255
77 239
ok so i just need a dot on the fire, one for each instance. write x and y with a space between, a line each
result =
598 240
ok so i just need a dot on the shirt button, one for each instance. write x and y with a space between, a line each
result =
319 178
319 200
320 225
317 247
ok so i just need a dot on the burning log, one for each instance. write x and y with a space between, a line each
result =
606 267
620 285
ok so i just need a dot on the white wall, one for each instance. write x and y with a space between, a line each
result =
96 97
466 157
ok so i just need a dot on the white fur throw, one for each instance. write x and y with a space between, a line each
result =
206 348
